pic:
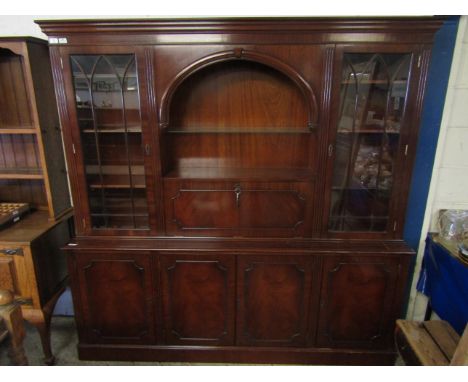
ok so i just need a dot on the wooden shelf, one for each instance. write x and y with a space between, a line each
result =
31 226
359 217
21 173
116 182
121 215
16 130
234 130
103 129
368 131
227 173
372 82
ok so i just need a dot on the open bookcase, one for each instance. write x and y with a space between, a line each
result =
240 120
32 164
32 171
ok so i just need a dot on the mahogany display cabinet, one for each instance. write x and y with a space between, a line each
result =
240 184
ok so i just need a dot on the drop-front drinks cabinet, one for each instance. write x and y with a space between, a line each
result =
240 185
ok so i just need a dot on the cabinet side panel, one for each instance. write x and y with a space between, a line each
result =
49 260
50 128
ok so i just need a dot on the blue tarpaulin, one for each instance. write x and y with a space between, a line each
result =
444 279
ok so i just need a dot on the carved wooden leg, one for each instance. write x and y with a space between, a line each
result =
42 323
41 320
16 352
13 319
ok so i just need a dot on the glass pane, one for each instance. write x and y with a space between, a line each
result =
372 106
107 101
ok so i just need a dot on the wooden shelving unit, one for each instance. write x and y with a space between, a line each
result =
32 170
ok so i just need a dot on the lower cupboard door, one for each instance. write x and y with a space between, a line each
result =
198 299
116 297
358 297
274 294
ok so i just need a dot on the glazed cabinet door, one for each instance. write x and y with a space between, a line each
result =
114 296
108 139
274 294
373 128
198 298
359 301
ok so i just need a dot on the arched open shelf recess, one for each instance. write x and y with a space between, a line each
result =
242 91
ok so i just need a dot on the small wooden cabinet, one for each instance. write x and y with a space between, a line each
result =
32 170
241 185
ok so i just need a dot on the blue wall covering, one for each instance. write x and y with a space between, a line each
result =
436 88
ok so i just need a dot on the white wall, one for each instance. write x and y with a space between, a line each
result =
449 183
24 25
20 26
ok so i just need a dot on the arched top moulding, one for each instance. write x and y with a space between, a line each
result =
310 99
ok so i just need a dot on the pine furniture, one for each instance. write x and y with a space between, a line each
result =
32 170
431 343
240 185
12 327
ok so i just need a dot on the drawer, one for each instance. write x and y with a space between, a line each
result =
250 209
12 269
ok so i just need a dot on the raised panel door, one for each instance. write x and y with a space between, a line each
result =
357 302
116 296
198 299
274 294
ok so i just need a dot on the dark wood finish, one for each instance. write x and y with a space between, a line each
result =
357 302
238 122
197 208
226 78
198 299
81 150
114 297
236 354
274 296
